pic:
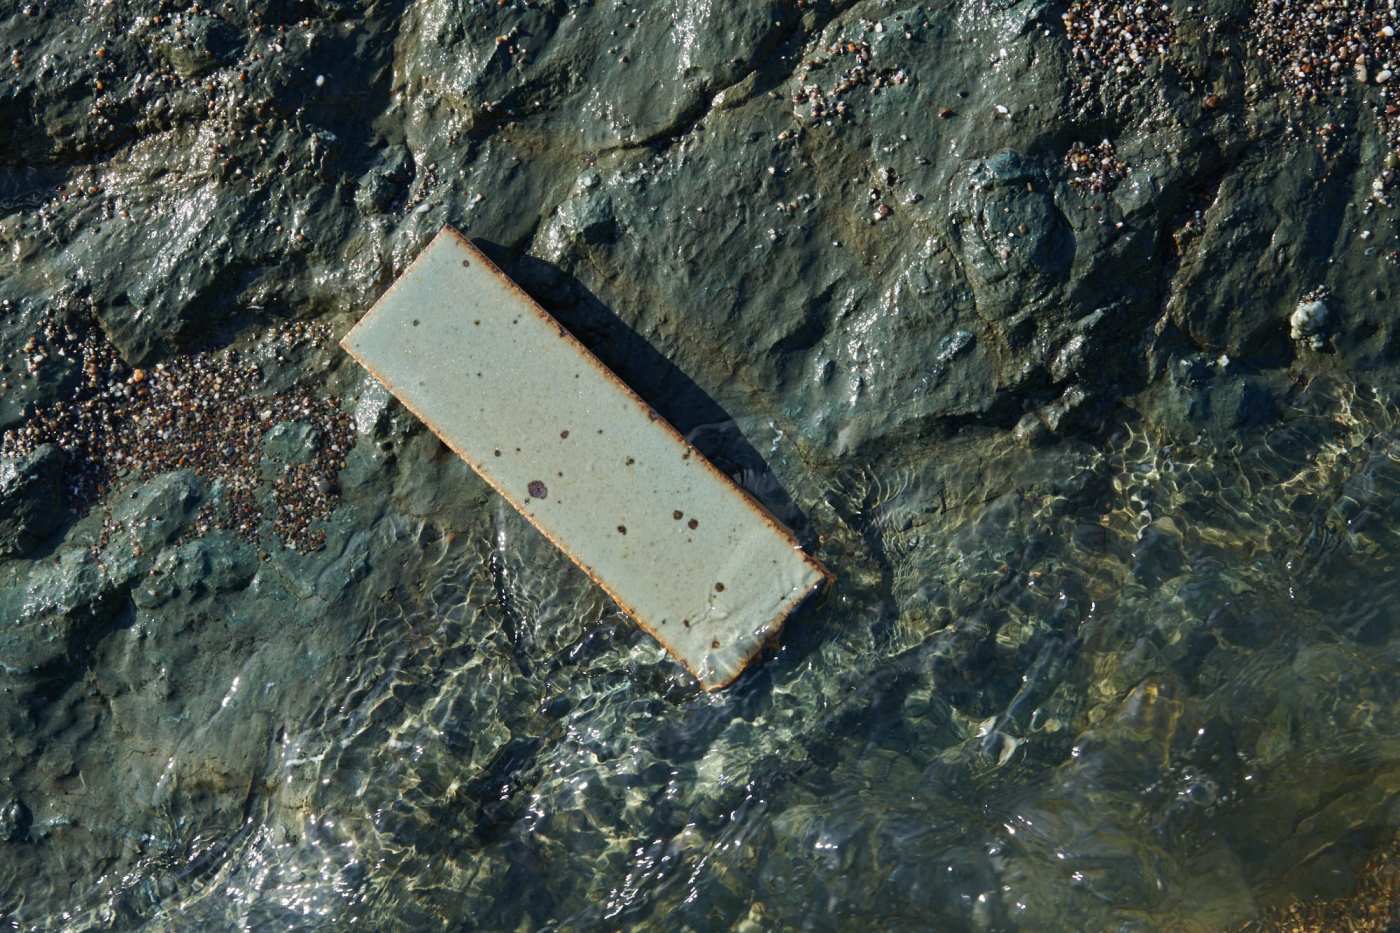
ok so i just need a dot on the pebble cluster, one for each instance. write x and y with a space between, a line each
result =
1119 36
205 412
1372 907
1322 48
815 104
1094 169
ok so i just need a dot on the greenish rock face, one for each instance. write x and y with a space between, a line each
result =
1016 323
285 445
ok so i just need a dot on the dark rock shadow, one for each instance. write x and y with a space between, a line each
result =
659 382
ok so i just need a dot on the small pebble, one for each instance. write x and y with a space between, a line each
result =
205 412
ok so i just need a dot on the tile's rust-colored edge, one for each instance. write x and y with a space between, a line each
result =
755 507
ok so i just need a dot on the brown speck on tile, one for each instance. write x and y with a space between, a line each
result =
693 524
719 587
630 461
685 622
476 323
686 455
677 514
498 452
416 322
563 435
466 264
622 529
715 643
538 489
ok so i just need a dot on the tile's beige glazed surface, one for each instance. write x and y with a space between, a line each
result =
685 552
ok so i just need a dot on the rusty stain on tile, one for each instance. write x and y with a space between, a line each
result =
518 398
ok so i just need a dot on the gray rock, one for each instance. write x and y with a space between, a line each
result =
196 45
1071 358
1309 322
1015 243
589 218
49 609
31 500
287 444
1201 394
15 820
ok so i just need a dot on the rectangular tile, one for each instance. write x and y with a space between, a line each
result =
686 553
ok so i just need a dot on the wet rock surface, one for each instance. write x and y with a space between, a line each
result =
1062 332
30 499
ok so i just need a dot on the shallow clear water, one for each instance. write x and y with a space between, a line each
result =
1152 687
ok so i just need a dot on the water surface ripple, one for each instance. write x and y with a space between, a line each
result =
1153 686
